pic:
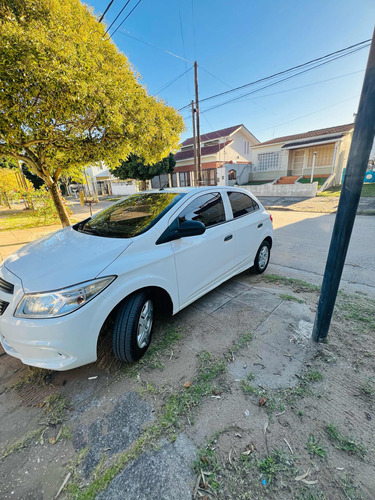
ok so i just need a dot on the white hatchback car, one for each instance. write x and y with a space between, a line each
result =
156 250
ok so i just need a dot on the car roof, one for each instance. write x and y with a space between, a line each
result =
201 189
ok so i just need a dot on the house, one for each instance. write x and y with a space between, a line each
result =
226 157
326 150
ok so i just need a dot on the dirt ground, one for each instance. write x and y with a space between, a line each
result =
232 401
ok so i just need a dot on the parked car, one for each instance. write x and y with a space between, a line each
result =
155 250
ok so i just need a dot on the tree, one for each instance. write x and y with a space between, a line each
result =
69 98
135 167
8 185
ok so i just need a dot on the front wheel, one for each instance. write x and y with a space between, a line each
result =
262 257
133 327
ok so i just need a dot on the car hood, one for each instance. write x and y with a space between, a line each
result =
63 258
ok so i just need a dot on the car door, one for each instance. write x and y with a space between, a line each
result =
247 227
204 261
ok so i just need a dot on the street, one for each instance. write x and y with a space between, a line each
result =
301 245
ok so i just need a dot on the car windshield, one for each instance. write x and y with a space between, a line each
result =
130 217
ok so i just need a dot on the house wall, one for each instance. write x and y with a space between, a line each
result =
236 150
242 174
124 188
260 174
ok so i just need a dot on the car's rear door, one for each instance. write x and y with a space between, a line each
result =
247 227
203 261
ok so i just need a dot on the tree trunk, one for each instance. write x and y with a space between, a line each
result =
60 207
143 185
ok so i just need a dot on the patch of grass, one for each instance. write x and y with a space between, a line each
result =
287 297
177 407
333 191
344 443
249 390
368 191
314 448
16 219
152 358
300 413
24 442
34 376
66 433
243 341
55 408
368 387
297 285
250 377
319 180
357 309
313 376
311 495
276 462
207 461
350 490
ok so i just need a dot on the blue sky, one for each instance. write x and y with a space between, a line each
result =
236 42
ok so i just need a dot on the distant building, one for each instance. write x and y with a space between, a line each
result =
226 155
293 155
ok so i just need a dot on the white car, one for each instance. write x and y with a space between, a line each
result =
156 250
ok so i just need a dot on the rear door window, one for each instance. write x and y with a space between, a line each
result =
208 209
241 204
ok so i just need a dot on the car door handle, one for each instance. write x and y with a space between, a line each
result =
229 237
260 225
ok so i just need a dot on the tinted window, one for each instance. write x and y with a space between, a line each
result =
208 209
130 217
241 204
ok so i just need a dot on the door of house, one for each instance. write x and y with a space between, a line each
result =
297 162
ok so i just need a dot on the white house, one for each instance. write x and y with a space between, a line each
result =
324 150
225 155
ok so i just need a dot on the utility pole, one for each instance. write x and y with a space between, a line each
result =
195 145
363 136
199 166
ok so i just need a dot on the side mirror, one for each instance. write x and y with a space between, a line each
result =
176 231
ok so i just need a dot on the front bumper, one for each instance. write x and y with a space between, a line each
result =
56 344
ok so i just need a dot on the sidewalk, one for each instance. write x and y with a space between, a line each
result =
317 204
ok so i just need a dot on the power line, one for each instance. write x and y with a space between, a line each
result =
287 70
172 81
106 10
118 15
128 34
309 114
122 22
304 86
214 76
280 81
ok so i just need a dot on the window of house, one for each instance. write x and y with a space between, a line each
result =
268 161
232 175
241 204
246 147
184 179
208 209
324 156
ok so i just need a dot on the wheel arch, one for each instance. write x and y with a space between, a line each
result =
269 240
163 303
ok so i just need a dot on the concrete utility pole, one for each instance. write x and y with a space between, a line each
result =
195 145
198 126
363 136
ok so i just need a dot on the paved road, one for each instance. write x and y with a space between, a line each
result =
301 248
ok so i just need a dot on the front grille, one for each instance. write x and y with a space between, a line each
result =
3 306
6 287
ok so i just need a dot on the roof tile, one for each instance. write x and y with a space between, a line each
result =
311 133
207 150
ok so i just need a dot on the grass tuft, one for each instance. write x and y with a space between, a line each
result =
314 448
344 443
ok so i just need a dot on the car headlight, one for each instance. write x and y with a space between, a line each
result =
60 302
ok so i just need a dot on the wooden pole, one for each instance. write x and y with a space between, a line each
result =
195 146
199 166
363 137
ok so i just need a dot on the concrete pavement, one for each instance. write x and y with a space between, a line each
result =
316 205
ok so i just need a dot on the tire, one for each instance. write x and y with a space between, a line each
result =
262 257
133 327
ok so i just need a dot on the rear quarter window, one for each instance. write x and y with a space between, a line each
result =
241 204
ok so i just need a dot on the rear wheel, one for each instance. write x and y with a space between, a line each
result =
133 327
262 257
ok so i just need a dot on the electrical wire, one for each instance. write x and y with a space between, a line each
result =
174 80
128 34
106 10
360 45
118 15
280 81
122 22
